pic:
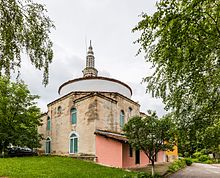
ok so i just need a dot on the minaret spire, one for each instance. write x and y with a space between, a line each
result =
90 70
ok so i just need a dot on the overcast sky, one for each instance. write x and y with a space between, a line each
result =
108 23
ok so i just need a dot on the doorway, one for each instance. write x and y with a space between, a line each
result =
137 156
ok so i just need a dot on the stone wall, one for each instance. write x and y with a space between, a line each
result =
94 111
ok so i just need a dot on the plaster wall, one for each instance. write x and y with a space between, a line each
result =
108 152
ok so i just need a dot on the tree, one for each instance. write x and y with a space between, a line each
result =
150 135
212 137
182 40
19 115
24 27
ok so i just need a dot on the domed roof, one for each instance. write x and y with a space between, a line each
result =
91 82
95 84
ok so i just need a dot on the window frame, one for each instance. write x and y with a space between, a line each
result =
122 118
75 141
48 141
59 110
48 126
73 111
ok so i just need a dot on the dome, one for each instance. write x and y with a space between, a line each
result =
90 82
95 84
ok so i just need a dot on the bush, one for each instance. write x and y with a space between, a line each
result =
203 158
197 155
180 155
186 154
147 175
188 161
144 175
157 176
208 162
176 165
195 160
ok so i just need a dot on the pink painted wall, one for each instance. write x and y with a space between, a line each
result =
161 156
108 151
129 162
114 153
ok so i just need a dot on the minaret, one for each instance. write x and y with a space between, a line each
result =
90 70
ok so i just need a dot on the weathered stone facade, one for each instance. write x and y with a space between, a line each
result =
95 110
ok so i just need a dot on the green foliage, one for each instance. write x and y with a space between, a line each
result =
147 175
188 161
182 41
24 28
56 167
195 160
203 158
177 165
19 115
197 155
150 134
212 137
208 162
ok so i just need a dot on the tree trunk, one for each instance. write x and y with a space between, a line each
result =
152 168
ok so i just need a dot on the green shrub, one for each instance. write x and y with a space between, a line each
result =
176 165
147 175
203 158
144 175
186 154
197 155
208 162
195 160
157 176
180 155
188 161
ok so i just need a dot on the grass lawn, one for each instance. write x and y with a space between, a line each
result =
52 167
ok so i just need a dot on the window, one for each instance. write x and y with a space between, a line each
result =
48 145
73 143
129 112
59 109
130 151
48 123
122 118
73 115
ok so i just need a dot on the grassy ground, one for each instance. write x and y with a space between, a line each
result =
55 167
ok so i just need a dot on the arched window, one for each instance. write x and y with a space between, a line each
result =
59 109
48 145
129 112
73 143
73 115
48 123
122 118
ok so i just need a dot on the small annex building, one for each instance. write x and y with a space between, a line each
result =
86 120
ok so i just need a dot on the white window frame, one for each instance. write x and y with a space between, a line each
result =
77 136
46 145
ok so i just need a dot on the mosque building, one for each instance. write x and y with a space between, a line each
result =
86 120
